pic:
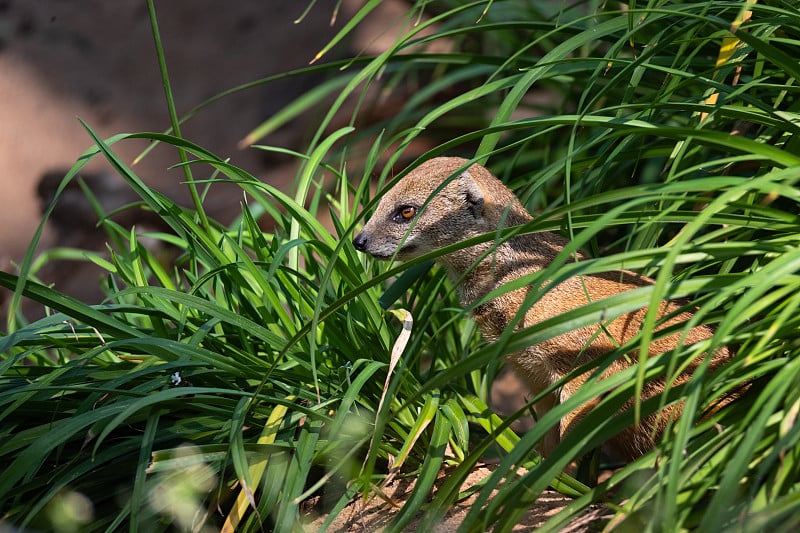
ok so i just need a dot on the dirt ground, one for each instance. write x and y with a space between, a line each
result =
375 514
95 60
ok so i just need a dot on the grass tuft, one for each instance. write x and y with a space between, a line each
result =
252 375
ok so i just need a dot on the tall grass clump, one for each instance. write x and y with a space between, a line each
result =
259 373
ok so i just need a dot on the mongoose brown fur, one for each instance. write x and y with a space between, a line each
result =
412 219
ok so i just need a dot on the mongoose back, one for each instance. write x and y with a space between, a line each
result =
412 219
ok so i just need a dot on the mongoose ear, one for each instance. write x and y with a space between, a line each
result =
473 192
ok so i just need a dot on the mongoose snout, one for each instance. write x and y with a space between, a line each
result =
445 200
360 242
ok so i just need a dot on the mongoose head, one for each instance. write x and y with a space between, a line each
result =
441 202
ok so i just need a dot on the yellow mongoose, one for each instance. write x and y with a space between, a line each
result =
475 203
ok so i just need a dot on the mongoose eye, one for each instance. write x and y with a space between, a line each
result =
405 213
408 212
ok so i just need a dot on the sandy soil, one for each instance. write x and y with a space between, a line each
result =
375 514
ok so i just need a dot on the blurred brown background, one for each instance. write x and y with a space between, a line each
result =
61 60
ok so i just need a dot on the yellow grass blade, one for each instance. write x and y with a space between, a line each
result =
245 497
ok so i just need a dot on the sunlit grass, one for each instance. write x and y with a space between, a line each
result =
227 388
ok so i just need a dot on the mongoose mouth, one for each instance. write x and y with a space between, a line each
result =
402 254
381 257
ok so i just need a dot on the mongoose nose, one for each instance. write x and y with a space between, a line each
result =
360 242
